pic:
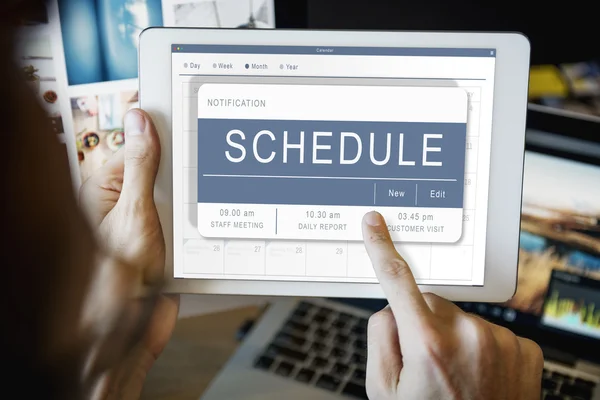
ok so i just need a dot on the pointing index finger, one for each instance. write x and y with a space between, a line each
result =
394 274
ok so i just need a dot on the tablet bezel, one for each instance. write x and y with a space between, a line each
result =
506 171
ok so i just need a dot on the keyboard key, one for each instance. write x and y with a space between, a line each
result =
341 339
304 306
358 330
325 310
575 390
328 382
305 375
558 375
584 382
338 353
339 369
359 374
354 390
320 362
320 318
318 347
284 368
264 362
321 333
360 344
359 358
345 317
296 326
299 314
549 384
339 324
286 352
287 339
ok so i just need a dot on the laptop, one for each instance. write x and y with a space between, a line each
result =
316 348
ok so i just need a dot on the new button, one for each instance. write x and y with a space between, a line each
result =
395 194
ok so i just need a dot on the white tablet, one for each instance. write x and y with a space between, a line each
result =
276 143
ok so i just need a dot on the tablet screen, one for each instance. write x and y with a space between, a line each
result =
280 150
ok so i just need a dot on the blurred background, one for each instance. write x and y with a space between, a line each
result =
80 57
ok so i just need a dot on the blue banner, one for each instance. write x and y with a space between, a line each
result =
344 163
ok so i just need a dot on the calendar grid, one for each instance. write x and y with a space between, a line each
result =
189 200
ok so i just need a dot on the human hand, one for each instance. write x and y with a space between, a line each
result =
424 347
119 200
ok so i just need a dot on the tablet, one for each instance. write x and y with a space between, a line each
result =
275 143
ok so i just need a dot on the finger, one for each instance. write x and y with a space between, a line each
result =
384 357
111 172
509 363
441 307
394 274
532 366
142 156
99 194
116 164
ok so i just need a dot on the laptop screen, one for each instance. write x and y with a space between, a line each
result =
559 260
573 304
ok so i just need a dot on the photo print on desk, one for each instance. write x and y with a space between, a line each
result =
224 14
36 60
100 37
98 123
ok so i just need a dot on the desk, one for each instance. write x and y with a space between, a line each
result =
199 348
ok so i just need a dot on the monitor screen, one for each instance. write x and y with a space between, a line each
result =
559 225
560 231
559 257
573 304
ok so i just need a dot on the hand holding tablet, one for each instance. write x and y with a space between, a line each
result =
282 141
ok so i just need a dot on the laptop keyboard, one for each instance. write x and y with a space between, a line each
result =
325 348
321 347
562 386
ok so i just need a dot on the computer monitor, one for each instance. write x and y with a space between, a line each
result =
559 262
557 301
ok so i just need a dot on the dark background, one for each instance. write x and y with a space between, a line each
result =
559 32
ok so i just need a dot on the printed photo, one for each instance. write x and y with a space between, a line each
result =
98 123
37 64
225 14
560 226
100 37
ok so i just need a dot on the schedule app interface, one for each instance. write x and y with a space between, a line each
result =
279 151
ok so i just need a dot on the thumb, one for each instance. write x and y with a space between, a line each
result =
142 156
